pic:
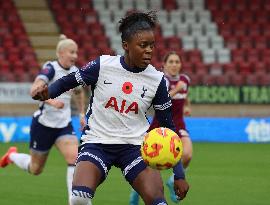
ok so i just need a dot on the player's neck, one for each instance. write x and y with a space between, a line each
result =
171 76
62 66
126 65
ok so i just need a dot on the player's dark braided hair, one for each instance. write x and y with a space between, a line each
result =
136 21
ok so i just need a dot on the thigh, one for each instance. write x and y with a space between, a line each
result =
42 138
68 147
92 166
67 143
130 161
148 184
87 174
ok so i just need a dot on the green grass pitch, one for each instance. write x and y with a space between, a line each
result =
220 174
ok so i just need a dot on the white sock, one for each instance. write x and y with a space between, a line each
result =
70 171
77 200
21 160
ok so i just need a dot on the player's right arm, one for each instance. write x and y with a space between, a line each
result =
45 75
87 75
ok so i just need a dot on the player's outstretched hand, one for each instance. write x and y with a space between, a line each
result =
40 93
181 188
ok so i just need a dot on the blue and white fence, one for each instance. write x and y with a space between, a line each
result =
212 129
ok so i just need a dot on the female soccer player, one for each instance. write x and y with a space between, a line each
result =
123 88
178 89
51 124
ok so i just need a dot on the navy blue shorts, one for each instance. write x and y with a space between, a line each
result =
124 156
42 138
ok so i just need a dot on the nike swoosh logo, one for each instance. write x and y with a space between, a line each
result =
107 83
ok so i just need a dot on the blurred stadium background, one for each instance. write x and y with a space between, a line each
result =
225 48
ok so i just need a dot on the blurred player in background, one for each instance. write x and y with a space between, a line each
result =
178 89
51 124
123 88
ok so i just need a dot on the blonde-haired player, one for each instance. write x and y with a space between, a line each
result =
51 123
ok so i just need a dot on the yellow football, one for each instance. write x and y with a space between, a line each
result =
161 148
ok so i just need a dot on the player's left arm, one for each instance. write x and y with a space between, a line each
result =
162 105
79 98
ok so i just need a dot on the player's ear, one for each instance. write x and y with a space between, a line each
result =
125 45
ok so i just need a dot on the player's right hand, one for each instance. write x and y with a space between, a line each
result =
40 93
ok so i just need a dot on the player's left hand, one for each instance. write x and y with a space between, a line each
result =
181 188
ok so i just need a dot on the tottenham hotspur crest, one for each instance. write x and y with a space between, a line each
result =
144 90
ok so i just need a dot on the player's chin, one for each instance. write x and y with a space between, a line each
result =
72 63
145 63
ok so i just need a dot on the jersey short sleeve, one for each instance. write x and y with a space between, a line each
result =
47 72
167 83
162 99
88 74
185 79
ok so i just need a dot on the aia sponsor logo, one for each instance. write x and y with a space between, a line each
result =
122 106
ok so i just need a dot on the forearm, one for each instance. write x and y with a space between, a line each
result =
178 171
62 85
164 118
187 102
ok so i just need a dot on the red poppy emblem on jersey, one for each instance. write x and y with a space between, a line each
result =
127 87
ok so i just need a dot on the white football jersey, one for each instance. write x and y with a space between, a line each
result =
48 115
120 101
